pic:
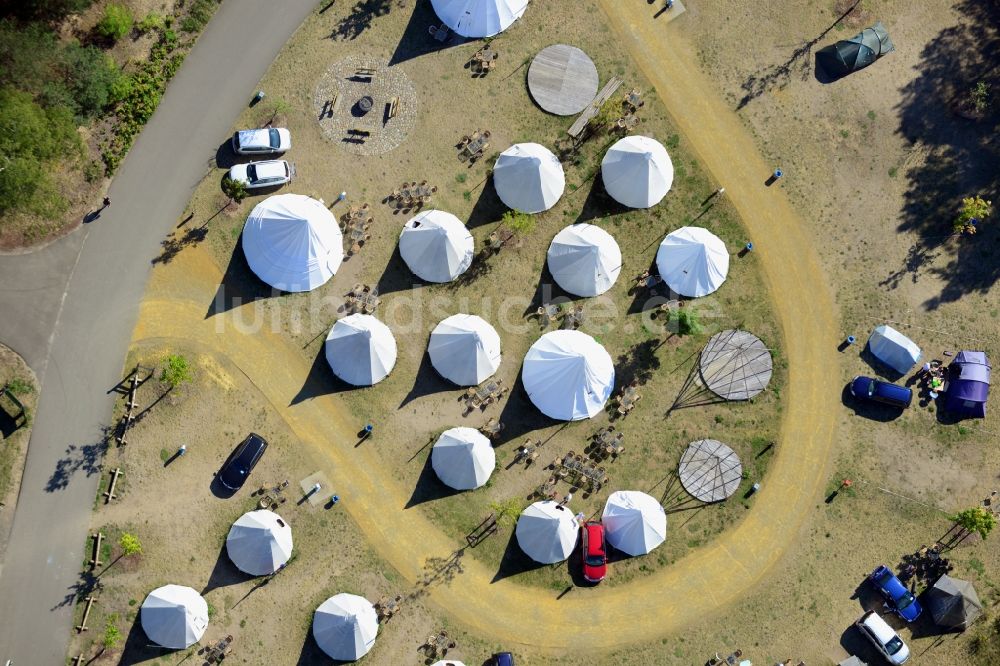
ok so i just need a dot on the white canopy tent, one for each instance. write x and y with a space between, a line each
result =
174 616
292 242
436 246
584 259
463 458
259 543
635 522
568 375
547 532
528 178
361 350
692 261
637 171
345 626
893 348
479 18
464 349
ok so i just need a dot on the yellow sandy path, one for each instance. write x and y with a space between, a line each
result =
709 580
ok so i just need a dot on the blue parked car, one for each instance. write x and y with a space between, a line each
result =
896 595
867 388
502 659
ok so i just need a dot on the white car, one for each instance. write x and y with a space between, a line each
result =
263 174
262 141
882 636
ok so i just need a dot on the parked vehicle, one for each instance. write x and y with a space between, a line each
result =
502 659
262 141
867 388
594 552
882 636
262 174
896 595
241 461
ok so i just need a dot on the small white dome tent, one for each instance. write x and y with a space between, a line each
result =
259 543
345 626
292 242
479 18
568 375
463 458
360 350
465 349
528 178
584 259
637 171
893 348
436 246
692 261
635 522
547 532
174 616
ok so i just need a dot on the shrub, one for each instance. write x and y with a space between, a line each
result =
112 635
201 12
687 322
92 77
979 96
519 223
236 190
176 370
20 386
130 545
116 22
974 209
151 22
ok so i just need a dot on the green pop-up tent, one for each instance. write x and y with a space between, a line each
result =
850 55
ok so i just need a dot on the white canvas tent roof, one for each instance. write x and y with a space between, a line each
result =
893 348
568 375
345 626
361 350
292 242
465 349
174 616
463 458
584 259
635 522
479 18
528 178
547 532
637 171
259 543
436 246
693 261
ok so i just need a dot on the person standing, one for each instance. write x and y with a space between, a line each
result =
107 202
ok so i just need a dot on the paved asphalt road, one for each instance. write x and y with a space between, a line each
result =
70 313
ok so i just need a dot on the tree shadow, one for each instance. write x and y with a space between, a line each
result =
959 154
174 244
873 411
514 561
320 381
84 458
239 285
488 207
361 16
429 487
224 573
427 382
81 588
638 363
417 40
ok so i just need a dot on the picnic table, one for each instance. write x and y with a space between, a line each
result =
633 99
387 608
472 147
486 393
218 651
574 318
364 298
484 59
492 428
581 471
547 312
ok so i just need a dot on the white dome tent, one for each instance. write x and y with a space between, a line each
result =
259 543
345 626
463 458
174 616
479 18
547 532
692 261
292 242
584 259
893 348
360 350
568 375
436 246
528 178
635 522
464 349
637 171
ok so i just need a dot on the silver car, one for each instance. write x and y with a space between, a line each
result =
882 636
262 174
262 141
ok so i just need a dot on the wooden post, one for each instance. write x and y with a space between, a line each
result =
91 600
110 492
78 659
96 560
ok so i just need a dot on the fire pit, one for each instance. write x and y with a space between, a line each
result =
365 104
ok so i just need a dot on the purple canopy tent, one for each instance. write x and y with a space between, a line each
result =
968 384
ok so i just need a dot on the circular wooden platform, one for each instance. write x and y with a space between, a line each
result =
562 79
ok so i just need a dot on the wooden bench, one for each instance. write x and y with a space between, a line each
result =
392 108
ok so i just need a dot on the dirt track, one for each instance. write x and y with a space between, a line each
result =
711 579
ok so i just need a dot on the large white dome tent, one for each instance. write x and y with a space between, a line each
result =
637 171
692 261
528 178
345 626
635 522
547 532
292 242
465 349
463 458
259 543
479 18
436 246
568 375
174 616
361 350
584 259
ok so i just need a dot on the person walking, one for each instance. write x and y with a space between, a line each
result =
107 202
566 500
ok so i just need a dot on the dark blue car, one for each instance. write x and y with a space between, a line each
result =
502 659
896 595
867 388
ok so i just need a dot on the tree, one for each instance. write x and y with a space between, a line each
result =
176 370
130 545
236 190
977 519
112 635
974 209
116 22
507 511
687 321
979 97
280 107
518 222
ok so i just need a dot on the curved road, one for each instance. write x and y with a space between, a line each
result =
707 582
69 310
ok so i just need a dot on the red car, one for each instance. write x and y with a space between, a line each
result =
595 554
